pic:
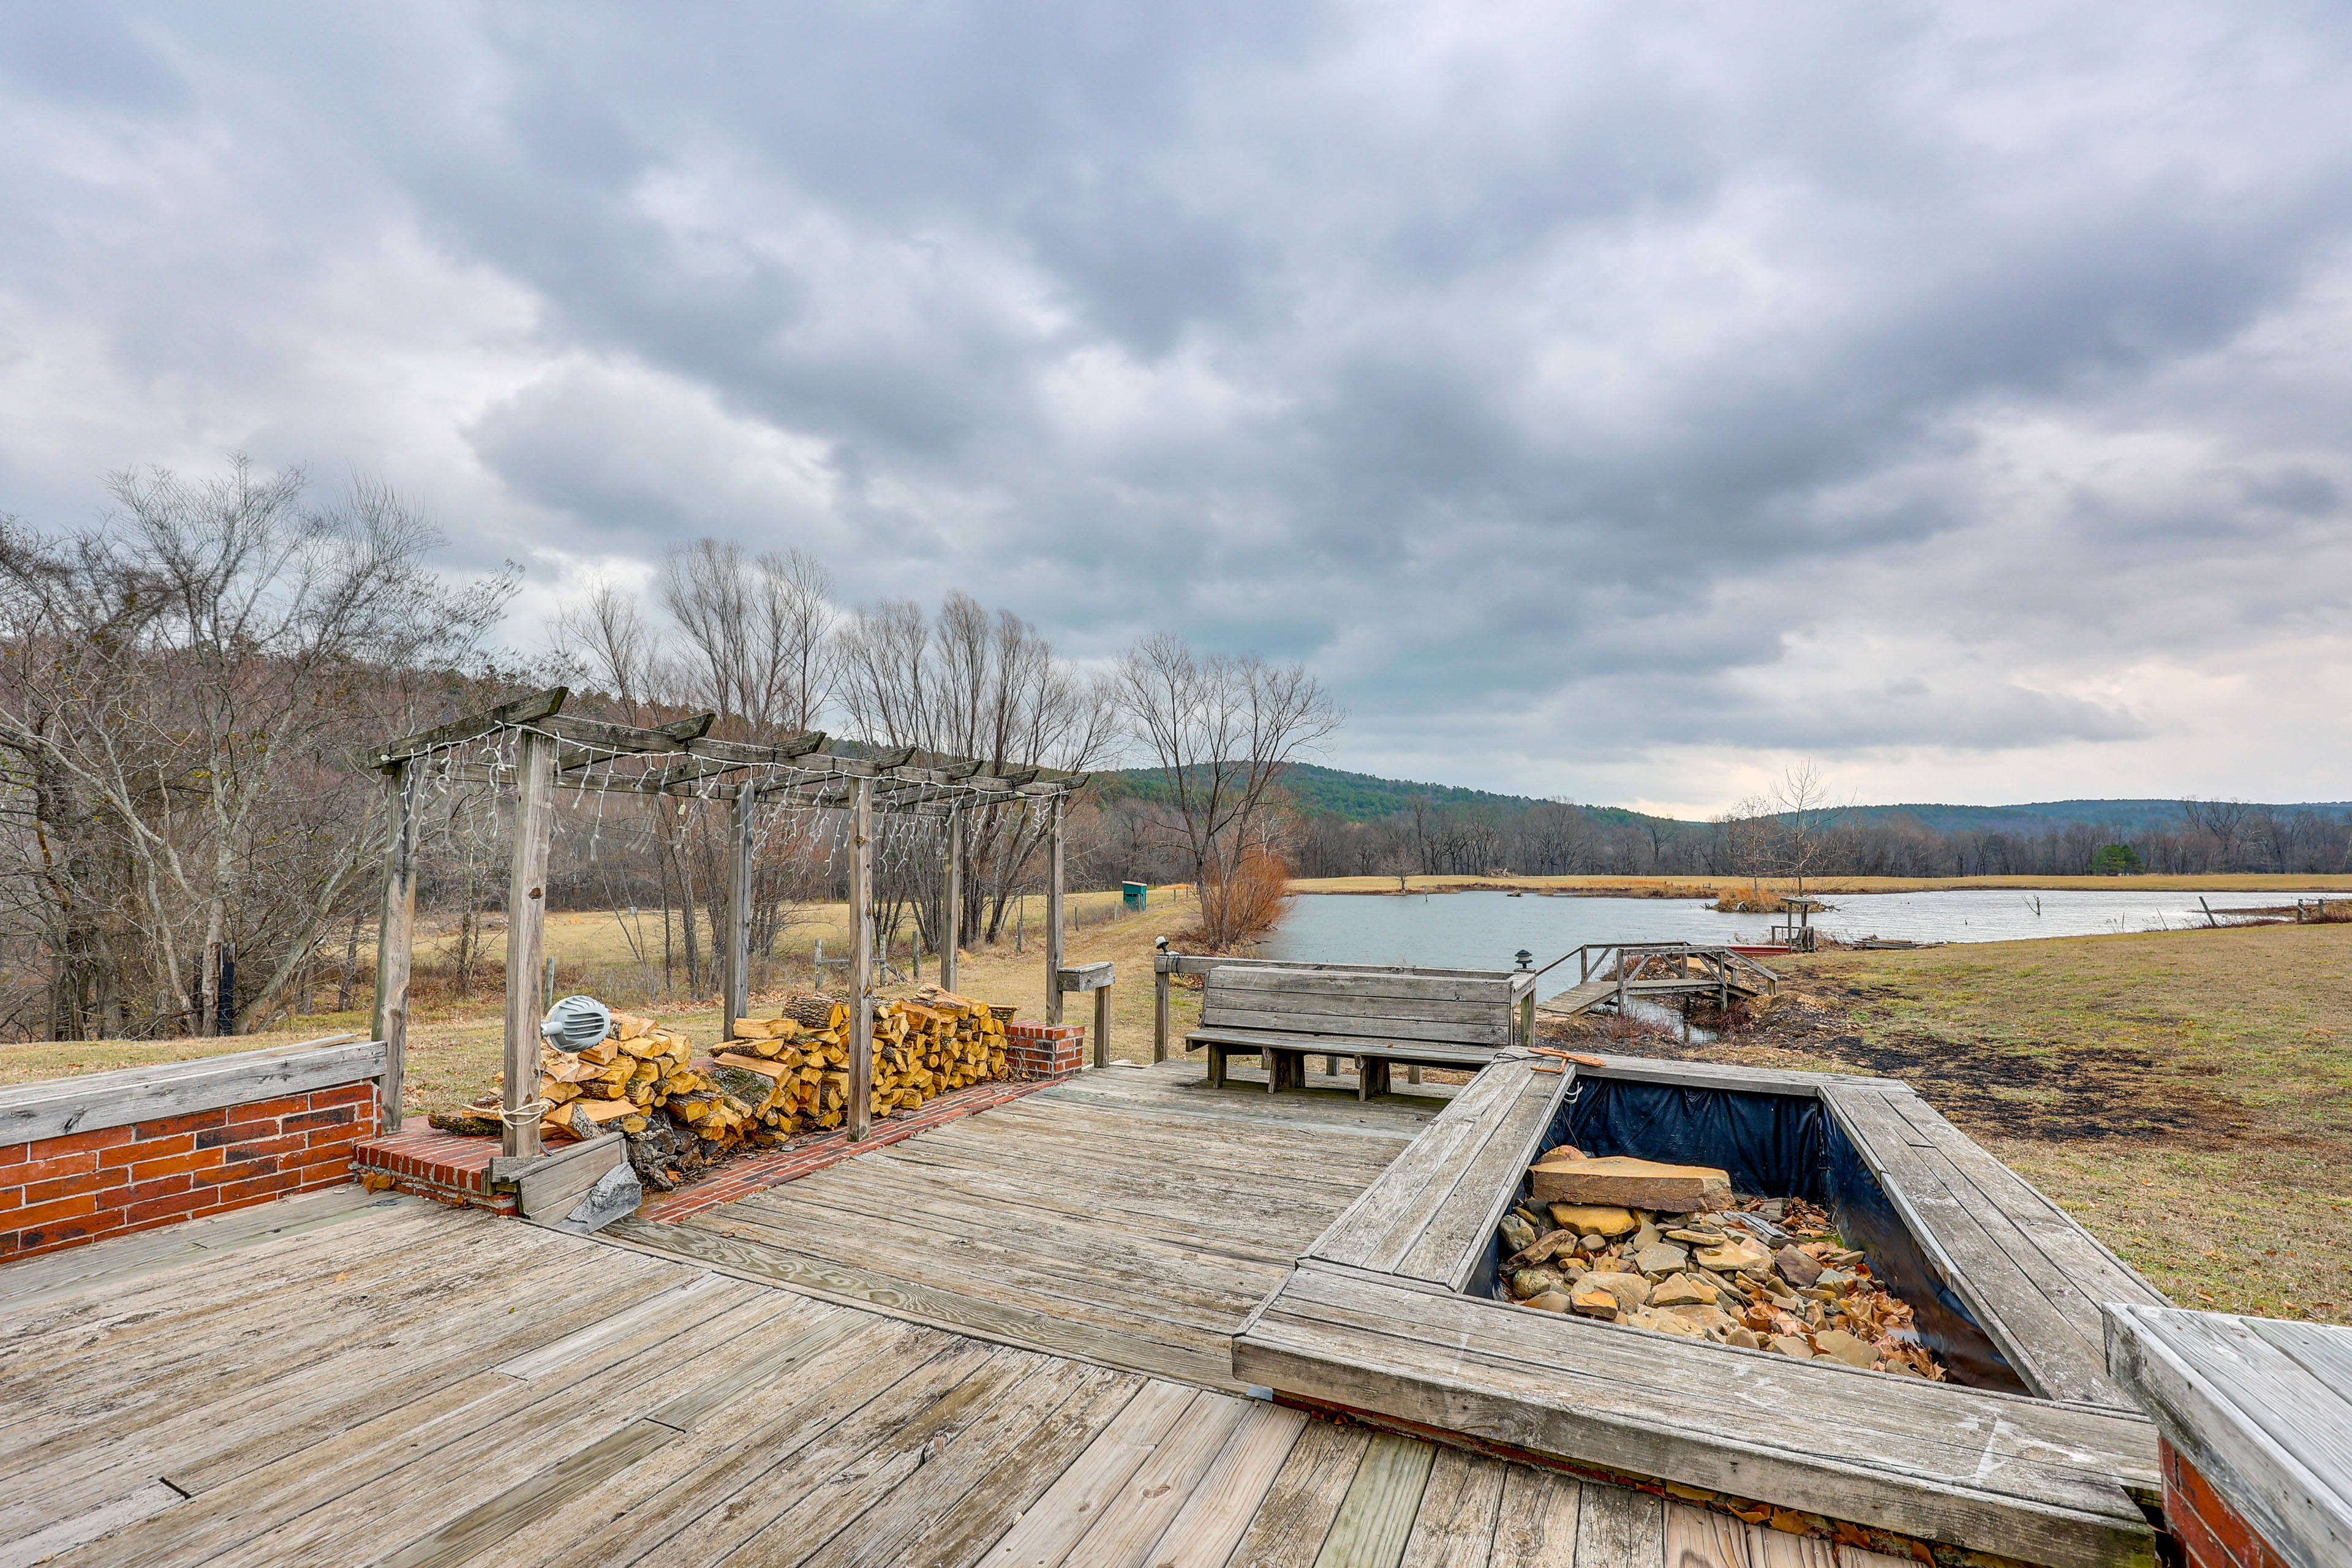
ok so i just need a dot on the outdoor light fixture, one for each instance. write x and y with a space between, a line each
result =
1525 957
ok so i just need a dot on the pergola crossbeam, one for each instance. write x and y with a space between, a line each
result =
530 709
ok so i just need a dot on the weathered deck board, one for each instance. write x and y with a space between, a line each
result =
1075 1223
1432 1213
1926 1461
2032 1278
471 1390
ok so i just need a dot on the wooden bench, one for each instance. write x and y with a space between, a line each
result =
1378 1016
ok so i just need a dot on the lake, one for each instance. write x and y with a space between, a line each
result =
1482 930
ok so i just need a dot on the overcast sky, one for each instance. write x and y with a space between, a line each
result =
1610 401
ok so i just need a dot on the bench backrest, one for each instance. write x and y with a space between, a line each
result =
1392 1004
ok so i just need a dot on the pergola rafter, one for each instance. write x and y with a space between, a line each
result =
560 751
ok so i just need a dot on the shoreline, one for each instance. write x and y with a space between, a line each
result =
1675 887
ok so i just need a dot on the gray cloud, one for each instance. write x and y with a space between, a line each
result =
1606 404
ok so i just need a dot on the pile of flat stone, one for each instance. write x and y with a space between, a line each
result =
1671 1249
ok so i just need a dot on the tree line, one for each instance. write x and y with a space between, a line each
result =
191 834
1558 838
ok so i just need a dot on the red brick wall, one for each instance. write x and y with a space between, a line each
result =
1045 1050
2212 1534
57 1192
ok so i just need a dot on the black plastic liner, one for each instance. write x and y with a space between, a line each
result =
1780 1145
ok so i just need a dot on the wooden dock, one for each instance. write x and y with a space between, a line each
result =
345 1380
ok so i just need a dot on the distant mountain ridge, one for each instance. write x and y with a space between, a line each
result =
1366 798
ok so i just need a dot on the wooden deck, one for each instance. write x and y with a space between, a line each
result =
345 1381
1134 1218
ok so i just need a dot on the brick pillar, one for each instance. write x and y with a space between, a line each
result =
1045 1050
2211 1533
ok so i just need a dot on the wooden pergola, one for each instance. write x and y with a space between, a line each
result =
555 751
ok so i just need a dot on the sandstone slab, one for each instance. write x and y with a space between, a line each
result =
1621 1180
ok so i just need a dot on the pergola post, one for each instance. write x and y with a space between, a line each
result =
534 825
952 906
395 936
735 957
1160 1007
861 959
1054 915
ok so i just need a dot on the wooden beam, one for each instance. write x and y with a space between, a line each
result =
951 905
736 957
87 1102
534 824
597 732
861 961
1053 916
1102 1026
528 710
788 751
395 935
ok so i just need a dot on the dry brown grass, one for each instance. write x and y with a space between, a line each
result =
2185 1095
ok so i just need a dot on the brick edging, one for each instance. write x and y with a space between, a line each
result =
63 1191
741 1178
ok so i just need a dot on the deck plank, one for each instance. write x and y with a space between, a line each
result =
1210 1525
2044 1320
1617 1527
1048 1529
1535 1524
1458 1512
1375 1520
1304 1499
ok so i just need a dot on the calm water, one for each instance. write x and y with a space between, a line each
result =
1482 930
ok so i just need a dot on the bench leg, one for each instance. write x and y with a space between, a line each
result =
1376 1077
1217 1064
1273 1069
1363 1076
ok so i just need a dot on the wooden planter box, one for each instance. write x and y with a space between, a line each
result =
1388 1316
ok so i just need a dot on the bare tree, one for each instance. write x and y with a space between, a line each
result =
2224 821
1223 729
977 684
1804 821
181 689
606 639
757 633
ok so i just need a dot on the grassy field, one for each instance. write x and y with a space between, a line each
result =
2185 1095
1709 887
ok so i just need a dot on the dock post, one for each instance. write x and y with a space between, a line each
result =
861 959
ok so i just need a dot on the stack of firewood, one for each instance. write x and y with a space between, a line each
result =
801 1059
772 1077
638 1069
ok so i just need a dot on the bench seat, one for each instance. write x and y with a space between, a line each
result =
1286 1053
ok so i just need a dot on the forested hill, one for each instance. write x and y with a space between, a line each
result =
1362 797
